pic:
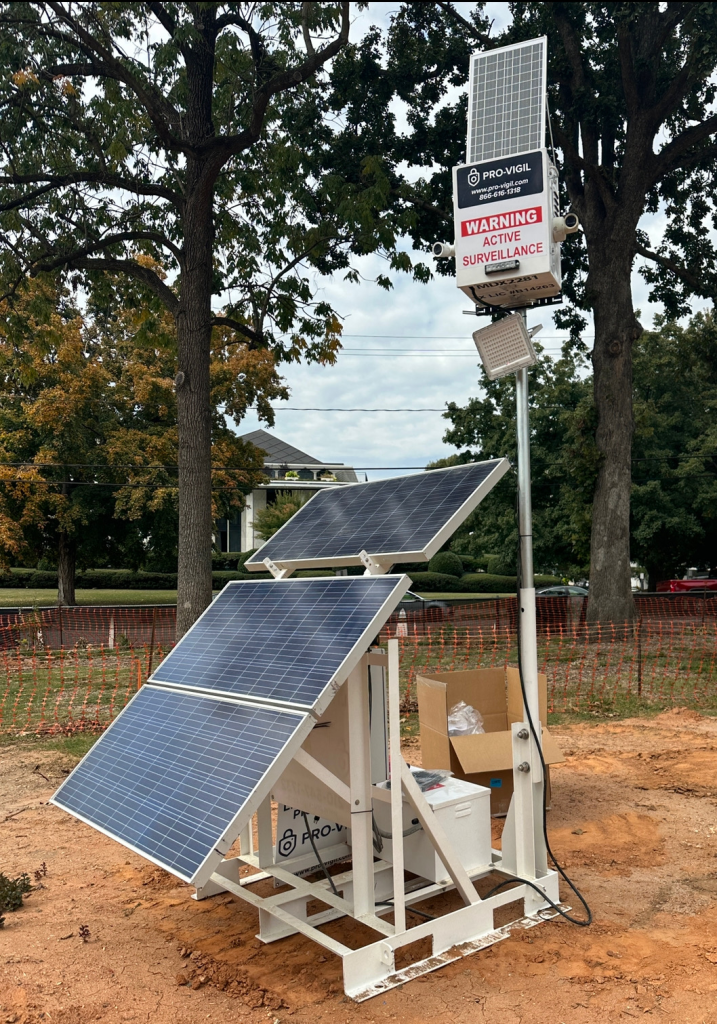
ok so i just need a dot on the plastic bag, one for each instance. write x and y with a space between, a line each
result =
464 720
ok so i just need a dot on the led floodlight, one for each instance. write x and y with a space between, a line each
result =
505 346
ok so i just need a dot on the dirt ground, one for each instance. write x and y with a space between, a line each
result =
634 818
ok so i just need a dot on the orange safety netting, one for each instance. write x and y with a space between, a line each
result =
73 669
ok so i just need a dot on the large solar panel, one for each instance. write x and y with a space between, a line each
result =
506 101
172 775
404 518
285 641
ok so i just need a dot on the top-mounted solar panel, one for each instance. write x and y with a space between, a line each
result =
506 101
402 519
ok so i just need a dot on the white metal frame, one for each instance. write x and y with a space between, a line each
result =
373 889
385 559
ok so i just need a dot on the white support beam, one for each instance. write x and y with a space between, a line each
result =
360 786
277 571
394 725
321 772
266 839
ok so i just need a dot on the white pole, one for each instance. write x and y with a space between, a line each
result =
394 724
360 786
528 633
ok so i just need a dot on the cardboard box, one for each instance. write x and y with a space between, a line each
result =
485 759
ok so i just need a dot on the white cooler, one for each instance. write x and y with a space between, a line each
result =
463 811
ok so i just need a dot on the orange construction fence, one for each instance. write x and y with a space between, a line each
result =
68 670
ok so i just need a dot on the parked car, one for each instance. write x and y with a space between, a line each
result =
569 590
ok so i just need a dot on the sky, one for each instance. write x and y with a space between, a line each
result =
410 348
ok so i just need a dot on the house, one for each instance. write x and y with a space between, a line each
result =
288 469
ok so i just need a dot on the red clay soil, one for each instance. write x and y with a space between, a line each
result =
634 819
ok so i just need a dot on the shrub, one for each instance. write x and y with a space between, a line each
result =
435 582
12 891
447 562
547 581
487 583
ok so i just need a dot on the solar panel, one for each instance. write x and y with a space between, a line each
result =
176 776
291 642
506 101
405 518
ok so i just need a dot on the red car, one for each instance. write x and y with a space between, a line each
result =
681 586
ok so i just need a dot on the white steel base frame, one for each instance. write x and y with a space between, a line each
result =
371 969
362 893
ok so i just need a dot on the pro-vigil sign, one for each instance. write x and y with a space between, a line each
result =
502 211
293 839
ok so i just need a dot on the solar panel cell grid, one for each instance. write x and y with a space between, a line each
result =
399 515
280 641
173 771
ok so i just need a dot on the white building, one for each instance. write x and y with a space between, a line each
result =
288 469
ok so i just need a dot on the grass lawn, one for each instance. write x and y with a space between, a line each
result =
26 597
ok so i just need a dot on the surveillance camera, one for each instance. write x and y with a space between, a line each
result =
443 251
564 226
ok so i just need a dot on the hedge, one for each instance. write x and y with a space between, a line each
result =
435 581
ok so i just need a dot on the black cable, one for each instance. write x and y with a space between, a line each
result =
558 867
318 855
421 913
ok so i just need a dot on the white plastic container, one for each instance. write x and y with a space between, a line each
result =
463 811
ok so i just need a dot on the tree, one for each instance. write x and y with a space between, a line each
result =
563 463
270 519
88 432
674 491
631 92
674 463
194 138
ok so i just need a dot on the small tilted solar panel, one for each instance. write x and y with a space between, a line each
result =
291 642
177 775
402 519
506 101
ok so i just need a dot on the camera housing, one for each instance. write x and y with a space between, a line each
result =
564 226
443 251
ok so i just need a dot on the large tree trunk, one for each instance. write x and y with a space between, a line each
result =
66 568
616 328
194 584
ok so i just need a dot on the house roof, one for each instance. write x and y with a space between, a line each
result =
278 451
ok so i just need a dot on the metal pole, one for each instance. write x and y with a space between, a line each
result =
528 633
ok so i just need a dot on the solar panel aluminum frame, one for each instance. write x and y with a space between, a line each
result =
386 559
305 724
339 677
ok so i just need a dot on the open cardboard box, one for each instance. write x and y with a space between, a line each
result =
487 758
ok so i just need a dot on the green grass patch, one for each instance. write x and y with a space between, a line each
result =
27 597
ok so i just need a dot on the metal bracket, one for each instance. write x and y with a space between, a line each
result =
372 568
276 571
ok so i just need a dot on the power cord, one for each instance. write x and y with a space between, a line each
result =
325 870
558 867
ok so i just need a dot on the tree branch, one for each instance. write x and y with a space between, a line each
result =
695 283
105 243
135 270
305 15
236 325
450 10
670 156
90 178
164 18
161 112
225 148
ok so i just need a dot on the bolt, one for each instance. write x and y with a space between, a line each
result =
524 767
523 734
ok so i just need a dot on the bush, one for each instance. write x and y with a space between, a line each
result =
547 581
447 562
408 567
227 560
487 583
435 582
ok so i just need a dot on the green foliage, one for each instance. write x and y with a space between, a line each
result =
270 519
674 490
488 583
434 582
563 463
12 891
446 562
